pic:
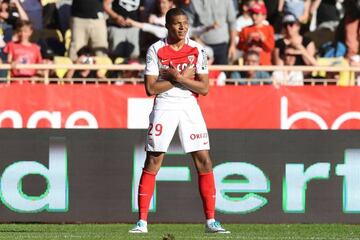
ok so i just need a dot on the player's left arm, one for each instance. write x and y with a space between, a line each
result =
200 85
198 71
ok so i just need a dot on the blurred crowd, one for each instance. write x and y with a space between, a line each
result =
240 32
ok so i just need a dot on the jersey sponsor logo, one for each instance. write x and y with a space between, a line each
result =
181 67
194 136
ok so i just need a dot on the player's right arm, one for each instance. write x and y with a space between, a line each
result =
153 86
152 73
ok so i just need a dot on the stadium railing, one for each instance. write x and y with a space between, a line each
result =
51 68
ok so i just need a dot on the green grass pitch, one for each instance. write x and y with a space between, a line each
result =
180 231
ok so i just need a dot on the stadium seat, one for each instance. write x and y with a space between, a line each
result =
119 60
47 34
51 42
60 73
344 76
103 60
67 41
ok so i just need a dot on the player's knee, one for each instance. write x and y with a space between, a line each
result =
204 165
153 162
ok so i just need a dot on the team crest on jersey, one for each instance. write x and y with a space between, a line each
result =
130 5
191 59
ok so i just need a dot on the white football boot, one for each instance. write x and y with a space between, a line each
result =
140 227
214 227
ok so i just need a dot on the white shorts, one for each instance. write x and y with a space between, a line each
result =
163 122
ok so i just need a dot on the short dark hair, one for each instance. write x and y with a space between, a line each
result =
252 52
86 50
172 13
22 23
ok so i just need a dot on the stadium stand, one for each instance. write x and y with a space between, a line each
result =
54 41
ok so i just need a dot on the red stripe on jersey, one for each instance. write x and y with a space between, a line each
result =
180 59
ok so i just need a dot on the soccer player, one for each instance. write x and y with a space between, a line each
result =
176 72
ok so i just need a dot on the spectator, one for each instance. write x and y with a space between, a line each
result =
131 76
34 10
258 37
327 13
156 30
50 14
352 27
325 19
150 7
64 14
355 62
299 8
123 39
304 46
285 77
220 38
216 77
156 21
86 56
22 51
158 16
9 15
120 77
11 11
244 19
236 7
252 58
273 14
88 27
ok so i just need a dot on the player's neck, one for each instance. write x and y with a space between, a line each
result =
176 44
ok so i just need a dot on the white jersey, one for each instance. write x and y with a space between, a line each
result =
160 56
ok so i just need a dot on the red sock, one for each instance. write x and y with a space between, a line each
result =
207 193
146 190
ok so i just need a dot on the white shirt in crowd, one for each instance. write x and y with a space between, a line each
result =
291 78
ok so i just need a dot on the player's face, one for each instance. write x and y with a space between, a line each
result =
178 27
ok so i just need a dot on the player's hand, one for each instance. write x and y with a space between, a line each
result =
188 72
170 74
